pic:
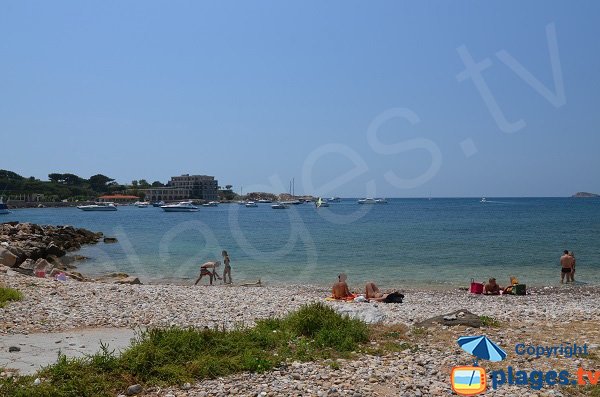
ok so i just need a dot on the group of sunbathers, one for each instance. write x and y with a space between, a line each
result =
492 287
341 291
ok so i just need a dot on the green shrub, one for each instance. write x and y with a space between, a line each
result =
8 295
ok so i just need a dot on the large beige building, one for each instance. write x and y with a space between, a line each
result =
184 187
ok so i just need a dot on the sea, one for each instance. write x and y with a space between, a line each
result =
434 243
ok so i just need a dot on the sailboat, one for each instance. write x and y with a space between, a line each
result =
321 203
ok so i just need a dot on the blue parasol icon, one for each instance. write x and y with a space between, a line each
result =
481 347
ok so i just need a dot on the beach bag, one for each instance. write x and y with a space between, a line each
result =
476 288
394 297
519 289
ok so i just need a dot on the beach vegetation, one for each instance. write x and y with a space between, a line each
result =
488 321
9 295
172 356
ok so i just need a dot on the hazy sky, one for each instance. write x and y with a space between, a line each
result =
349 98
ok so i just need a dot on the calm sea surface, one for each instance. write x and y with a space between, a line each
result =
408 242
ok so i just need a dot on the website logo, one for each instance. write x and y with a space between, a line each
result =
471 380
468 381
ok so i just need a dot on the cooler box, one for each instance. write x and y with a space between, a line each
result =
476 288
519 289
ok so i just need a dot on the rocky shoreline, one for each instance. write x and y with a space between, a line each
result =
32 249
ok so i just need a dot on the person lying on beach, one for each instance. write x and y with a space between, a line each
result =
205 270
340 289
491 288
372 293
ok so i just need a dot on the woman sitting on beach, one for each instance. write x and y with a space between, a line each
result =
205 271
491 288
372 293
340 289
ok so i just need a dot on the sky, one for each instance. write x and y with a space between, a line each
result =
347 98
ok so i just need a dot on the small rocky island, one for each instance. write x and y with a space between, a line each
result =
585 195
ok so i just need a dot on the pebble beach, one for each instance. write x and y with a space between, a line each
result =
550 315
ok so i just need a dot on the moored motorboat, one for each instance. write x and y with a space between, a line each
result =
380 201
265 201
98 207
158 204
367 200
141 204
334 200
3 208
251 204
184 206
211 204
280 206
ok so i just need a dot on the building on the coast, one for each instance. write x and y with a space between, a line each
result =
118 198
185 187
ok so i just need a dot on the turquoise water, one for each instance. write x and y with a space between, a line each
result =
408 242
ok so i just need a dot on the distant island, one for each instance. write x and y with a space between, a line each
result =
585 195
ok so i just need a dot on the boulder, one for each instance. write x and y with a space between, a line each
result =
367 313
7 258
128 280
26 267
53 249
459 317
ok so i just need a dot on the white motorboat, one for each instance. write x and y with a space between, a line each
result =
483 200
280 206
292 202
158 204
141 204
265 201
211 204
3 208
334 200
250 204
370 200
184 206
98 207
366 201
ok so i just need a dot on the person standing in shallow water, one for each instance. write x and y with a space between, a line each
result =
566 264
227 269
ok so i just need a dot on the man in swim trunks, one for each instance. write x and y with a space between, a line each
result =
340 289
566 264
209 269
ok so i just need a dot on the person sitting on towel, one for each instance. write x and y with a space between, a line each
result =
205 270
340 289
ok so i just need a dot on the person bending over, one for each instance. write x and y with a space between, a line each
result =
209 269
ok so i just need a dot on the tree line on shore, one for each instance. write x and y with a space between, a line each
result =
66 186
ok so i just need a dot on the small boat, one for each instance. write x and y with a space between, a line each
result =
250 204
158 204
265 201
184 206
3 208
211 204
366 201
141 204
483 200
292 202
280 206
334 200
370 200
321 203
98 207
